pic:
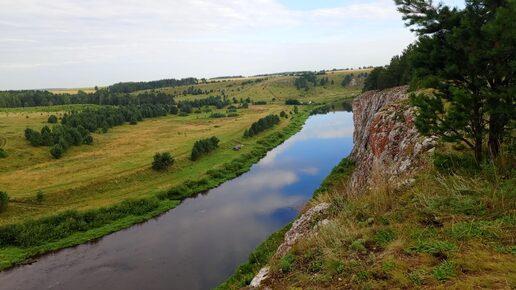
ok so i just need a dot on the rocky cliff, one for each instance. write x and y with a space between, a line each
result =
386 146
386 142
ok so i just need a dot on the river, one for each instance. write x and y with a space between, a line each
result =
199 244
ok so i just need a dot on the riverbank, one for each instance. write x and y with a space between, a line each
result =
22 241
259 258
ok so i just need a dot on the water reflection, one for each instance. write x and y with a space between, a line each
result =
199 244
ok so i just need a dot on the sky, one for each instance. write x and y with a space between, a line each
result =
83 43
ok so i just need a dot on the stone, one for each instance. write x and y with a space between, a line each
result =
260 277
301 228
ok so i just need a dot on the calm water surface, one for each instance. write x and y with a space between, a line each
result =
199 244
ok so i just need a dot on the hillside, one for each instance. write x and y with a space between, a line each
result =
401 212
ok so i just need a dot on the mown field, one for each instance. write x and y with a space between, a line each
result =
117 165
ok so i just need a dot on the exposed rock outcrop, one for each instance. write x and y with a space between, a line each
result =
386 142
301 228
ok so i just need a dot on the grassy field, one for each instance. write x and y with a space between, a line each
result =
273 89
72 91
117 165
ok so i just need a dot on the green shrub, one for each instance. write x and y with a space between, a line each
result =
52 119
40 196
162 161
56 151
217 115
3 153
4 200
204 146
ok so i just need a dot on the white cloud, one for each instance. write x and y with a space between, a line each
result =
182 38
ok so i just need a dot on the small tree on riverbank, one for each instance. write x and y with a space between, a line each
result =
162 161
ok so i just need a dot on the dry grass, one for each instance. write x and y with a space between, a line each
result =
447 231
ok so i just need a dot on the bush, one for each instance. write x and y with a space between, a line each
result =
204 146
292 102
4 200
217 115
162 161
52 119
40 196
262 125
57 151
88 140
3 153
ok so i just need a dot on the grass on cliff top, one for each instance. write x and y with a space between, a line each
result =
454 228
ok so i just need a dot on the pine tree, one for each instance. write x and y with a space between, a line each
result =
468 57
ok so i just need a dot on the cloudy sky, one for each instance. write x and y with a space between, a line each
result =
80 43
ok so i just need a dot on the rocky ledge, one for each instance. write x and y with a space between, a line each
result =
386 141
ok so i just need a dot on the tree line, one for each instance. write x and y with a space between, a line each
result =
128 87
217 101
76 126
204 146
32 98
398 72
262 125
467 56
195 91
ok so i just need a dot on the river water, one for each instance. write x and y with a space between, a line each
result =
199 244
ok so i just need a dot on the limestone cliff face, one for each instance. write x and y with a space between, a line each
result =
386 142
